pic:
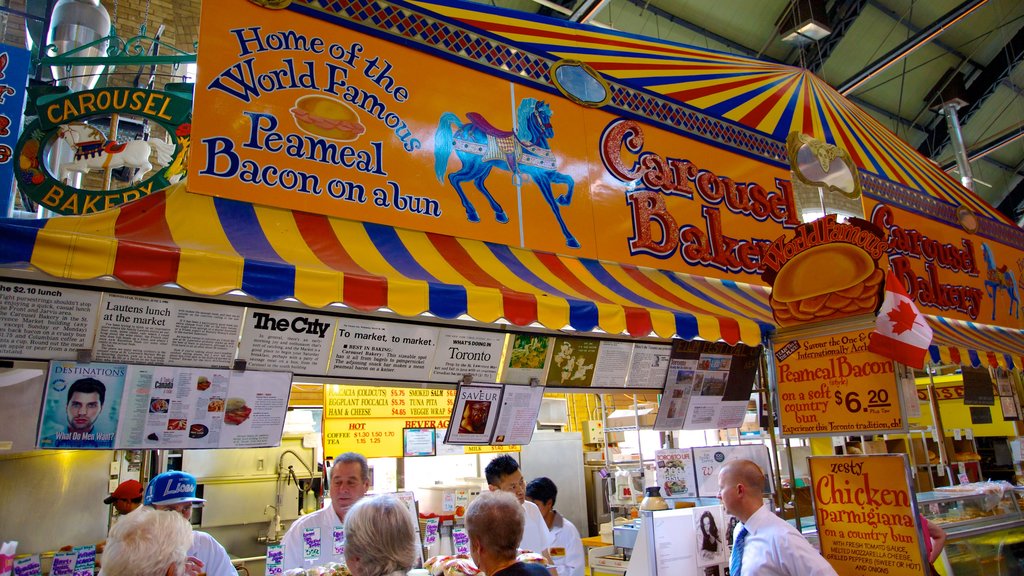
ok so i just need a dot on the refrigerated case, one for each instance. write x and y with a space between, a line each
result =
984 528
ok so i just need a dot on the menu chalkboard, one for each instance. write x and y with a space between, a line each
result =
978 387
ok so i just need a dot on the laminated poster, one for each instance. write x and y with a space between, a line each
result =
528 357
46 322
368 349
517 417
467 352
475 414
125 406
648 366
709 460
708 385
157 331
286 341
675 472
612 366
572 362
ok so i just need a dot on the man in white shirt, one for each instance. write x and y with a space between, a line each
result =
763 543
566 547
176 491
503 474
319 538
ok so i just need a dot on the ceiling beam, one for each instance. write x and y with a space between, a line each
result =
645 7
915 30
841 17
983 86
1011 203
910 45
990 146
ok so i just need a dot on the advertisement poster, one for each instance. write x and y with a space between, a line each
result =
368 349
14 65
866 514
157 331
287 341
675 473
832 385
572 362
709 528
45 322
82 405
528 356
612 364
708 385
517 417
167 407
475 414
467 352
649 365
708 460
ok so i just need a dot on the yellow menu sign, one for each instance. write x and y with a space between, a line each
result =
370 419
832 385
866 515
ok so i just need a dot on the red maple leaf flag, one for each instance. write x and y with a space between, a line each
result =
901 332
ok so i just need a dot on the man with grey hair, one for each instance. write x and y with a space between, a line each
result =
148 542
313 539
494 522
380 538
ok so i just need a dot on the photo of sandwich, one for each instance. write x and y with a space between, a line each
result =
203 383
236 411
801 293
327 118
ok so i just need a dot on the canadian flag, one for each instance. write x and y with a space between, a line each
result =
901 332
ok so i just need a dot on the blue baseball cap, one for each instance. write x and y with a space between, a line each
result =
172 487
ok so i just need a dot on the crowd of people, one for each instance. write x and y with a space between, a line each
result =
153 536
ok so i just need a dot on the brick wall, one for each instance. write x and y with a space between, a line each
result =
179 17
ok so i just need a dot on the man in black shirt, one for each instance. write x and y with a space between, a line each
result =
495 522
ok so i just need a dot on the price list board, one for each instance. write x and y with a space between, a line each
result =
370 419
833 385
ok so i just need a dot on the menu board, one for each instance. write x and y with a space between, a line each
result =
156 331
528 356
648 366
125 406
978 387
572 362
866 514
708 385
288 341
467 352
374 417
832 384
46 322
369 349
675 472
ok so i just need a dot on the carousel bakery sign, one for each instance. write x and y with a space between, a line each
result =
65 118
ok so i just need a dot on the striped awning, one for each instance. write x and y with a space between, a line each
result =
959 342
213 246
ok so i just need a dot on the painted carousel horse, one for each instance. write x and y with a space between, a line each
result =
1000 278
526 152
93 151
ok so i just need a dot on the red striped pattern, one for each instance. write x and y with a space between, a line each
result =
143 235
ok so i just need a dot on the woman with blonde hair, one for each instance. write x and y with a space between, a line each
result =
380 538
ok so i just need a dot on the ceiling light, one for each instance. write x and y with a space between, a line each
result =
803 21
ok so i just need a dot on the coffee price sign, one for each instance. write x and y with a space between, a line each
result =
832 384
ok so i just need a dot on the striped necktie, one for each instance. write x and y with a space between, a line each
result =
736 561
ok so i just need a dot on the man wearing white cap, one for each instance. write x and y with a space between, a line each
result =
176 491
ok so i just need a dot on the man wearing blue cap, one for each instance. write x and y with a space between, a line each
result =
176 491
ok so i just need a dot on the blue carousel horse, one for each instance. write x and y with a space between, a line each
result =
526 153
1000 278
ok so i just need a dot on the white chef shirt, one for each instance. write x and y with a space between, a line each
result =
566 547
214 557
536 537
326 520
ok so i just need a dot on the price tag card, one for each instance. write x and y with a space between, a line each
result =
432 531
963 478
275 560
338 536
448 503
28 566
461 540
311 544
63 564
956 433
969 433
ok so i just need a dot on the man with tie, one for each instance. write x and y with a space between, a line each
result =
763 543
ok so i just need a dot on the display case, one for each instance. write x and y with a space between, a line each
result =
984 527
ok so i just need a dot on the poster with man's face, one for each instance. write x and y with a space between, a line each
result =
474 415
81 405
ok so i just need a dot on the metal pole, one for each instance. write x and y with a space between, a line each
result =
956 138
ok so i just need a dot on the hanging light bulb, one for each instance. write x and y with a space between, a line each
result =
75 23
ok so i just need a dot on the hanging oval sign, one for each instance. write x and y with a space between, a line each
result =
152 164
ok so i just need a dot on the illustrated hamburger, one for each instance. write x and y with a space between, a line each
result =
327 118
826 281
236 411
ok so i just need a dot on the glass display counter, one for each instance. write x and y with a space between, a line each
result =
984 527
